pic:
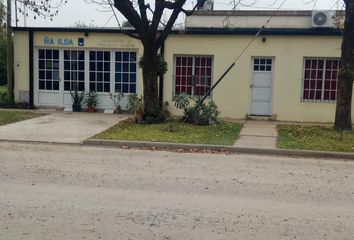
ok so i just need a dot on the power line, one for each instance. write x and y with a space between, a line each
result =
259 32
242 52
110 18
314 4
114 13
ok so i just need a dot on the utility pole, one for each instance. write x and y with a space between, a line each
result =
10 54
16 13
24 15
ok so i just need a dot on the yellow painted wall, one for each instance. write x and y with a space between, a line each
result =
21 63
233 95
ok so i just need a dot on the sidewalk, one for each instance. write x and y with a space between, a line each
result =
258 134
257 137
60 127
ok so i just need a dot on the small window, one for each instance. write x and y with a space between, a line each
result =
193 75
262 64
320 79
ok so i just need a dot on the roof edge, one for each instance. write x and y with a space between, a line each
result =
72 29
295 13
266 31
200 31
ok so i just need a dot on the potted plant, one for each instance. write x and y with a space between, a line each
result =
116 98
91 101
136 105
77 98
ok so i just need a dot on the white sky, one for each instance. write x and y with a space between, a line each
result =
79 10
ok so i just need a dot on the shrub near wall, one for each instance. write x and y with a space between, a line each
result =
4 100
3 45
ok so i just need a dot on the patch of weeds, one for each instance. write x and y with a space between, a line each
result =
314 138
224 133
7 117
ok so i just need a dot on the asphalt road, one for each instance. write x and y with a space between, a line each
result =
75 192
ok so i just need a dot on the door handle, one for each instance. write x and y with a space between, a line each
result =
251 86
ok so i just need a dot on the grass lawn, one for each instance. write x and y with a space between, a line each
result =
175 132
314 138
3 89
7 117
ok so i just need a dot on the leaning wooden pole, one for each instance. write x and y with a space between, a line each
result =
217 82
10 54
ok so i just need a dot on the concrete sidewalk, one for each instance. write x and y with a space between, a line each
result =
258 134
60 127
76 128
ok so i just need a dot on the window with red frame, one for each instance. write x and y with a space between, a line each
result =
193 75
320 79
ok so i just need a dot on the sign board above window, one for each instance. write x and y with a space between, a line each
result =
63 42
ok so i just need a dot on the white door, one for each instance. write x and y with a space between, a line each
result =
261 103
73 65
47 77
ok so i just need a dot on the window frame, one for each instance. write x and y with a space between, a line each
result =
122 72
268 67
109 72
45 70
194 56
322 100
77 71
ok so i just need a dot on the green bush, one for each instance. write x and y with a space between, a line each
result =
4 100
136 106
91 99
201 113
158 115
3 61
116 99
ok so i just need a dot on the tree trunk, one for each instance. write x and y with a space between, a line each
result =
343 121
152 107
10 55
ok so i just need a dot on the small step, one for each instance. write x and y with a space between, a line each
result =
50 109
260 118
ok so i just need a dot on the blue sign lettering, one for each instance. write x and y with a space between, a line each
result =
65 42
60 41
48 41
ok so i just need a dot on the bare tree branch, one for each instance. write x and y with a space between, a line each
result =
157 14
142 8
45 9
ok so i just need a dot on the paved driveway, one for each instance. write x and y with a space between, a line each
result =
60 127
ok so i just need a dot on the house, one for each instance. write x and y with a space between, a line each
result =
288 72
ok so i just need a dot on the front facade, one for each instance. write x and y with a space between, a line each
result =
288 73
99 62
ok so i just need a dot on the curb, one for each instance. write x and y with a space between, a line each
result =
216 148
198 147
40 142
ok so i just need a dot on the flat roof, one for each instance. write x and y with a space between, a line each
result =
295 13
199 31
